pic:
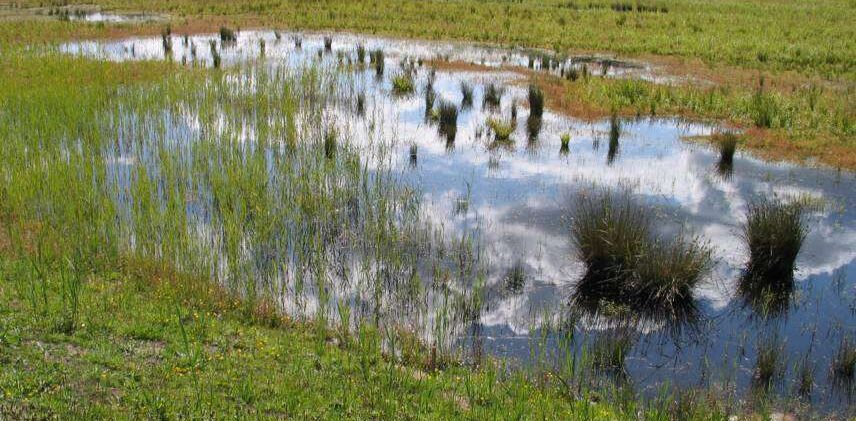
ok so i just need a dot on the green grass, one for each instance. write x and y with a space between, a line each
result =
402 84
770 35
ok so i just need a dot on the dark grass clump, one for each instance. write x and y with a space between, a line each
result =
467 95
361 103
768 364
377 59
614 136
361 53
844 366
533 128
414 160
565 149
515 279
628 266
215 54
227 35
536 101
447 117
298 42
774 232
328 43
609 352
330 139
430 98
492 96
166 41
727 146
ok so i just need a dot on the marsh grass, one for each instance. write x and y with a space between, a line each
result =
227 35
515 278
769 366
447 116
627 265
727 144
361 54
492 96
466 95
533 128
215 54
328 43
565 140
843 367
614 136
773 233
502 130
402 84
377 59
536 101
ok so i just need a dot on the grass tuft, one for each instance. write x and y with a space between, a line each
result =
773 233
536 101
492 96
447 115
227 35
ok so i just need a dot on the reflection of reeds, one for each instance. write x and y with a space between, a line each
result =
227 35
614 135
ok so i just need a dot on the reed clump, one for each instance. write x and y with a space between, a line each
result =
447 116
227 35
774 232
492 96
466 95
402 84
536 101
627 264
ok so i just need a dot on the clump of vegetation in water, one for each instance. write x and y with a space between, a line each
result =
228 35
467 95
536 101
727 146
330 138
627 264
377 59
447 116
215 54
844 366
614 135
564 149
768 364
773 233
501 129
361 103
492 96
328 43
361 54
515 279
402 84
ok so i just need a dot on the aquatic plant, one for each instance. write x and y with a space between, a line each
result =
447 115
536 101
768 364
628 265
492 95
215 54
430 97
502 130
402 84
227 35
727 146
515 278
413 154
467 95
533 127
330 138
773 233
564 149
328 43
377 59
361 53
844 366
361 103
614 135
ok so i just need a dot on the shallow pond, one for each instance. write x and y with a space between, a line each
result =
518 198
